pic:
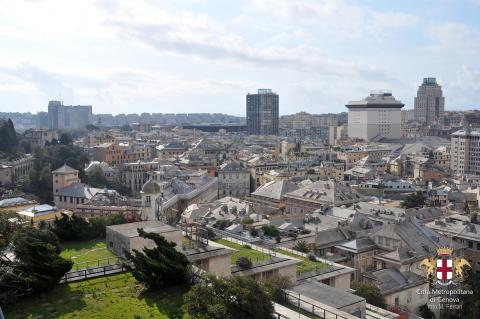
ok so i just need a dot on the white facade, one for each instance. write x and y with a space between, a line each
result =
377 116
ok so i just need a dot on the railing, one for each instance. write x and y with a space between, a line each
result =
92 272
276 315
97 263
228 236
317 310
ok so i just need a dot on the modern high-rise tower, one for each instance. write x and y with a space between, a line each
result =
262 113
430 103
67 116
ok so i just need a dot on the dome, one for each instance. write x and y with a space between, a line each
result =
151 187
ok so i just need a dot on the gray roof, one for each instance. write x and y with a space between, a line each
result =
359 245
391 280
65 169
79 190
329 237
16 201
330 192
275 190
331 296
232 167
131 229
382 99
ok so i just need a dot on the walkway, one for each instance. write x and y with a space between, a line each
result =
288 313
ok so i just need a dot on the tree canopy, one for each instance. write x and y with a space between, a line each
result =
37 265
232 298
370 292
8 136
414 200
77 228
160 266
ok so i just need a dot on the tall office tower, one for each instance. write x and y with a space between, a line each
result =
79 116
262 113
465 152
430 103
42 120
56 115
67 116
376 116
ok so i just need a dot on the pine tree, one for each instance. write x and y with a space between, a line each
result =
160 266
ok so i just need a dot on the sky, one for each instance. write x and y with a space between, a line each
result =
192 56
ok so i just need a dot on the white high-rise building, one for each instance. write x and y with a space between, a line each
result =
376 116
430 103
465 152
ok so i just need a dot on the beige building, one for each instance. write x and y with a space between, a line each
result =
377 116
63 177
39 137
121 238
233 180
430 103
465 152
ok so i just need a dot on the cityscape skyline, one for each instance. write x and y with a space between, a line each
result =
165 59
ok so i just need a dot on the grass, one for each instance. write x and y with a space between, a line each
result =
83 251
253 254
117 296
305 264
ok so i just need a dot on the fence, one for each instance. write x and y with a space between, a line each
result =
92 272
296 300
239 240
97 263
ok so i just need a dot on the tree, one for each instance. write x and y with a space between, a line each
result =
370 292
8 137
66 139
160 266
37 265
414 200
271 231
425 312
276 285
470 303
233 298
7 228
301 246
244 262
75 227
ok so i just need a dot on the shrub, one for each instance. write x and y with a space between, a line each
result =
247 246
253 232
244 263
271 231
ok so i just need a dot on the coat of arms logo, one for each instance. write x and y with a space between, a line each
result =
444 268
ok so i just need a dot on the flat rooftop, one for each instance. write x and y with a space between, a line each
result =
152 226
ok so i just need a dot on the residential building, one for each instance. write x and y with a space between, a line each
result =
233 180
319 195
64 176
72 116
430 103
462 230
262 113
40 137
465 152
375 117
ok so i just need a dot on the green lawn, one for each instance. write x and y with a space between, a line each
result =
253 254
306 264
117 296
82 251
